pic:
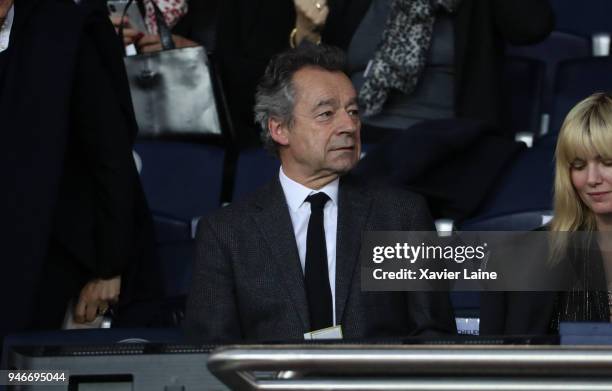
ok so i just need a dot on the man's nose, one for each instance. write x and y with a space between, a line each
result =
349 123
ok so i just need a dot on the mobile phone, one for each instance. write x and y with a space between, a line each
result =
117 8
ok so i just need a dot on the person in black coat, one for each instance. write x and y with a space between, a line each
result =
583 223
74 219
250 32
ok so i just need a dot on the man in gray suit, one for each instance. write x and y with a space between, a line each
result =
284 262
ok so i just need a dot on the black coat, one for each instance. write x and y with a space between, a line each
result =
72 196
250 32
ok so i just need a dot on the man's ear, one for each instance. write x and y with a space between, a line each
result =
278 131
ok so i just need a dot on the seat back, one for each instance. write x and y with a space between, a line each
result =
525 186
577 79
181 180
518 221
585 17
254 168
558 47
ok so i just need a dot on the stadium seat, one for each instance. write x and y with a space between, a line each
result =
169 229
466 306
176 253
254 168
586 17
518 221
558 47
577 79
525 187
177 262
521 200
523 80
181 181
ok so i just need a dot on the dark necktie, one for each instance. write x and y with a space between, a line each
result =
316 274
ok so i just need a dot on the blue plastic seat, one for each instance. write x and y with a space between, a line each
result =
517 221
577 79
181 180
558 47
525 187
585 17
254 168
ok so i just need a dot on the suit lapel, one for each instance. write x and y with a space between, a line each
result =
353 212
272 218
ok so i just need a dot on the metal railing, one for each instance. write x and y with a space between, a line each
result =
431 368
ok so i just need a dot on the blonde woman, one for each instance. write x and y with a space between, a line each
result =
583 205
583 221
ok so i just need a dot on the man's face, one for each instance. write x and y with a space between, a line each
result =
323 141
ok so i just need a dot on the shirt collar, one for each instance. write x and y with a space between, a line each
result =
296 193
5 29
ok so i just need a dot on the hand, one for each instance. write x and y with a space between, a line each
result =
310 18
130 34
95 297
313 12
152 43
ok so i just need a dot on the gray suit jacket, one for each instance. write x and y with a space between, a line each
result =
248 283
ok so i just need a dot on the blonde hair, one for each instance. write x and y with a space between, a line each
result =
587 129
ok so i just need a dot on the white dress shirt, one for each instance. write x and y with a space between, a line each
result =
299 210
5 29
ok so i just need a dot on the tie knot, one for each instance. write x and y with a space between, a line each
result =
317 200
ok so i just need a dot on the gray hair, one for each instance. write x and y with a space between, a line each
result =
275 95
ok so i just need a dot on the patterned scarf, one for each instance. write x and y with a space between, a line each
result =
402 53
173 11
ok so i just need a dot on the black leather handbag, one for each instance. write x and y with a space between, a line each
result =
172 90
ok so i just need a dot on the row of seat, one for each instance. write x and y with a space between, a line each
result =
184 181
543 81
